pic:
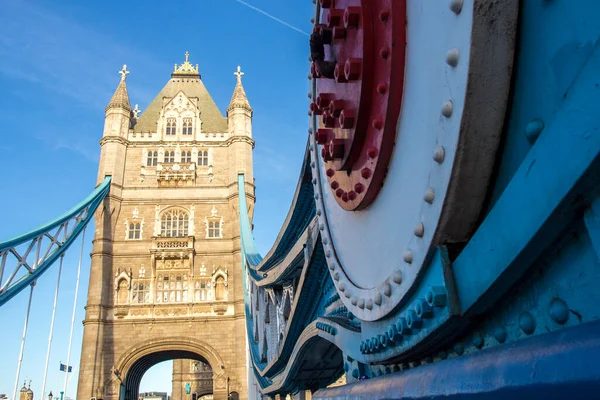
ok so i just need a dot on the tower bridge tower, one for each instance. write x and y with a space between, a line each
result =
165 281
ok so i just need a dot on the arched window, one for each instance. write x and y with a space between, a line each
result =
174 223
171 126
214 229
187 126
135 231
203 157
152 159
169 156
186 156
220 288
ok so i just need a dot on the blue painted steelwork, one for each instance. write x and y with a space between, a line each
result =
507 311
82 213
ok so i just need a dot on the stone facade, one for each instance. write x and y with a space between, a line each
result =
196 374
165 278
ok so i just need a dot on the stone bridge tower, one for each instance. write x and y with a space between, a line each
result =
165 281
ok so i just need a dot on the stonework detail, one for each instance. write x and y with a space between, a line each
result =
157 283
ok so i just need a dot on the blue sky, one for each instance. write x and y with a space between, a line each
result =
58 69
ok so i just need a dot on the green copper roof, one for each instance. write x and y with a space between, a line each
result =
192 86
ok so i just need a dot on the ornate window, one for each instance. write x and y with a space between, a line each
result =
186 156
174 223
187 126
135 231
203 157
169 156
202 290
171 126
214 229
141 292
152 158
171 288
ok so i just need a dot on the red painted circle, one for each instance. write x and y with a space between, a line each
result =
360 106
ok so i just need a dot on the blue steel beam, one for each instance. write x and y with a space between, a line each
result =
82 213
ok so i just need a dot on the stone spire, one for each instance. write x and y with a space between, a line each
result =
239 99
121 98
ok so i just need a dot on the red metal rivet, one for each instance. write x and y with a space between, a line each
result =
335 185
339 33
359 188
381 88
352 68
338 73
336 107
326 3
352 195
326 154
345 197
377 123
384 15
322 135
347 119
365 173
339 192
336 148
334 18
384 52
352 17
372 152
330 172
324 99
328 119
314 109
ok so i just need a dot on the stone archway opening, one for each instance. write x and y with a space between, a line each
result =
130 388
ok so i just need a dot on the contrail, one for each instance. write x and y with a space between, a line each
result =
266 14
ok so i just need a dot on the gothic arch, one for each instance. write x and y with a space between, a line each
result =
178 343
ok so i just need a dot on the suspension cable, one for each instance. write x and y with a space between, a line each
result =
74 310
23 341
62 257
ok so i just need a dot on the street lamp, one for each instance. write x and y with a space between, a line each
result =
50 395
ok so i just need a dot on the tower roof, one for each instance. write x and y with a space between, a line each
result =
239 99
120 98
186 79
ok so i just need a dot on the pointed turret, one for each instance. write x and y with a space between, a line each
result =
120 98
239 99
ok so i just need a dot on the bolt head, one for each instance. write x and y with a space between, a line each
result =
436 296
352 17
347 118
377 123
359 188
382 88
330 172
365 173
423 309
338 73
335 18
339 33
384 15
559 311
334 185
352 69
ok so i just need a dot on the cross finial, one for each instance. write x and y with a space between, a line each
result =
124 72
239 74
186 56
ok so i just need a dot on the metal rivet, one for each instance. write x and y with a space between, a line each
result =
559 311
317 196
378 299
387 289
319 212
369 304
342 287
332 266
443 354
439 154
312 164
328 254
456 6
500 334
310 95
533 130
419 230
325 241
429 196
408 256
477 340
336 276
347 294
447 108
397 277
314 181
452 57
354 300
361 303
526 322
321 227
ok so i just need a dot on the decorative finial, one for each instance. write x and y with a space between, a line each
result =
239 74
136 113
186 68
124 72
